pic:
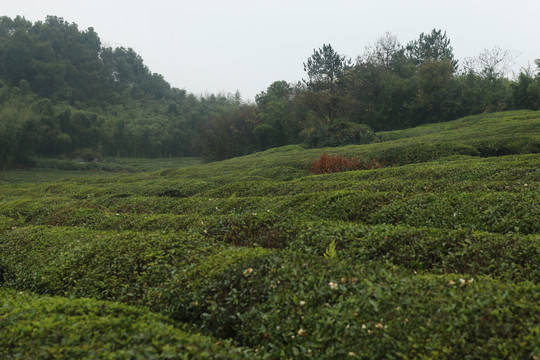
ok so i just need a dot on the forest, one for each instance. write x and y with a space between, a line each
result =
64 94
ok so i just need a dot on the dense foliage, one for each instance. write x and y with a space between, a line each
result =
89 329
62 93
434 255
65 94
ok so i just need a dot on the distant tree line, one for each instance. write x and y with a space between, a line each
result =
62 93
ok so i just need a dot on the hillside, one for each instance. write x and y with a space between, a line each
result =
434 255
66 95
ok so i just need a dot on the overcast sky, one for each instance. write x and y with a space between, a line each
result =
211 46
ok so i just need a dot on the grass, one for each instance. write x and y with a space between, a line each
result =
433 256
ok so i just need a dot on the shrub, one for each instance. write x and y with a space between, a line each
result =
265 229
338 134
411 153
236 249
508 257
336 163
298 306
33 327
115 265
344 132
336 311
289 304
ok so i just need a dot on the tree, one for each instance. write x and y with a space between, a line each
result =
16 55
534 88
490 64
385 52
431 47
229 133
277 91
274 106
526 91
482 82
434 99
324 68
383 96
155 86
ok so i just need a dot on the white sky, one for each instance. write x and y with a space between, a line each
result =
210 46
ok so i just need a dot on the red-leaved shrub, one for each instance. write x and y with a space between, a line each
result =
336 163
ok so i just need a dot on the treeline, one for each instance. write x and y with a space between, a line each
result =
63 93
390 87
63 63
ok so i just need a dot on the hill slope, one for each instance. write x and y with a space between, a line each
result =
434 255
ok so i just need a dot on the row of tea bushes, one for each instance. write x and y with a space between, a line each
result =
42 327
510 125
511 256
436 259
504 174
508 257
491 211
281 166
113 265
284 303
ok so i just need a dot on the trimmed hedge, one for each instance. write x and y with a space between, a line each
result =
119 266
285 303
509 257
487 210
33 327
435 259
335 311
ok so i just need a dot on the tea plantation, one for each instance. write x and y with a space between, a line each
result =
434 253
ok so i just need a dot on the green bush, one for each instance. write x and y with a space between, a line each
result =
338 133
286 303
507 146
336 311
297 306
115 265
493 212
33 327
343 133
266 229
510 257
236 248
424 152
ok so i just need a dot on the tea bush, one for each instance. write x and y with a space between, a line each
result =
436 255
107 265
287 303
33 327
424 152
297 306
511 257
